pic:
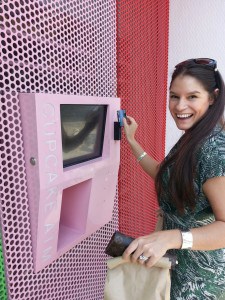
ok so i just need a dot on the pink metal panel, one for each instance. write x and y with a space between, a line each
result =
60 47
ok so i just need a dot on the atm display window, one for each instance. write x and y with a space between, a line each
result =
82 129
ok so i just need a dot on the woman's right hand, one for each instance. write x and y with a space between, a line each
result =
130 127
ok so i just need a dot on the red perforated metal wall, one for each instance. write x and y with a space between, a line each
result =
142 85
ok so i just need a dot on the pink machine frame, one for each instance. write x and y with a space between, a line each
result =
66 204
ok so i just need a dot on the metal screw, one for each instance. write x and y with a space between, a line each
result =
33 161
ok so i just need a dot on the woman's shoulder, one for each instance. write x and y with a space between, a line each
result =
212 150
215 141
211 156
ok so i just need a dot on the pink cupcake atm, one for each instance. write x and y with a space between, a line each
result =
72 163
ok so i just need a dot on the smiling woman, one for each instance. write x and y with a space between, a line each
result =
189 101
190 185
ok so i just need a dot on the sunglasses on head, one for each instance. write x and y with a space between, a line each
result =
206 62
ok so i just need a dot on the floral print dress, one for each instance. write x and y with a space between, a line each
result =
199 275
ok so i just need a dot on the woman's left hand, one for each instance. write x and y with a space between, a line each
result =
153 246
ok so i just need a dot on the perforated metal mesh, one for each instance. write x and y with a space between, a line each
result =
66 47
142 85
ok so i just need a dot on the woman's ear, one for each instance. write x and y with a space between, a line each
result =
216 92
214 96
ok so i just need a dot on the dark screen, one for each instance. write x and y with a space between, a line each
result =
83 128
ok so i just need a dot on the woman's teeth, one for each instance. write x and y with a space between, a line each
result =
184 116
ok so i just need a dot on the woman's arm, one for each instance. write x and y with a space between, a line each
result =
212 236
149 165
208 237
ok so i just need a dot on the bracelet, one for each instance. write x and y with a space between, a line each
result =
187 239
141 156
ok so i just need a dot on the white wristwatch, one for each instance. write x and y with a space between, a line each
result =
187 239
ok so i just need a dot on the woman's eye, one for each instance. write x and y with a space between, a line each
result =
173 97
192 97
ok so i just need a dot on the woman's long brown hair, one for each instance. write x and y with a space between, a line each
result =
180 188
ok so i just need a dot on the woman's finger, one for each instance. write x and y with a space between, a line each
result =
125 122
151 261
130 249
130 120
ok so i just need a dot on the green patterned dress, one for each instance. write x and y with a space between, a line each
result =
199 275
